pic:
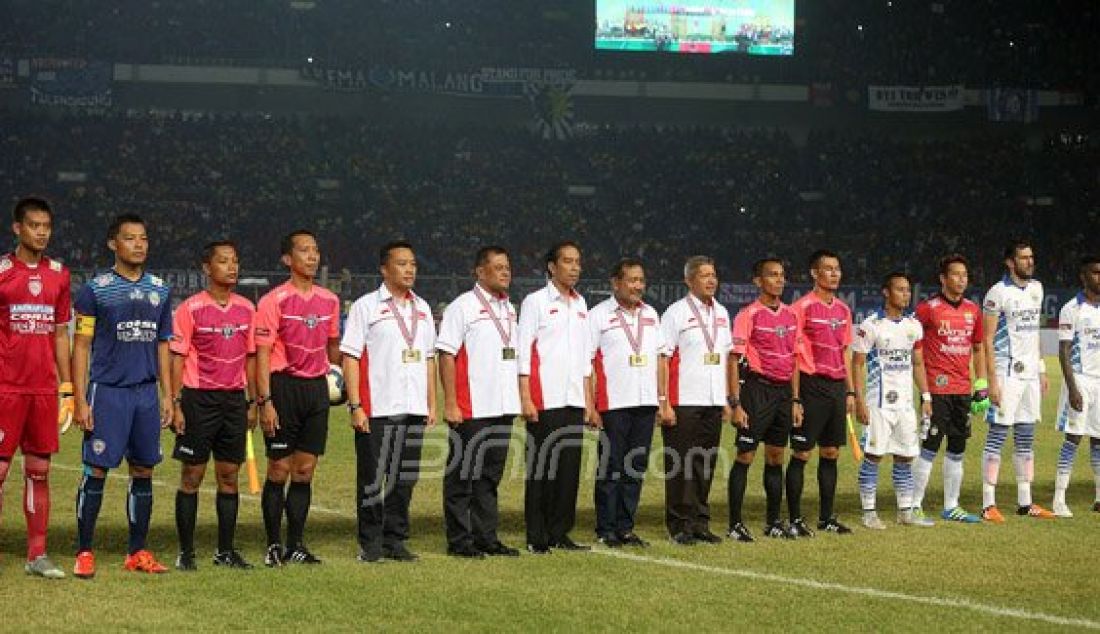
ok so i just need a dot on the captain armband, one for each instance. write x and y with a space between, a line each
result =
85 325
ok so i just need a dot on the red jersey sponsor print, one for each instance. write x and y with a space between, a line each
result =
825 332
950 332
214 340
298 326
34 302
767 339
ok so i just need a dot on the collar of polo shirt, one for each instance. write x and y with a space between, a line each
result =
491 294
555 294
385 294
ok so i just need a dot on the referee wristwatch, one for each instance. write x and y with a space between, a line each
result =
354 406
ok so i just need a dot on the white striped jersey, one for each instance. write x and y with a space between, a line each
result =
1016 340
888 344
1079 323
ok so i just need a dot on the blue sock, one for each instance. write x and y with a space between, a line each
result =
139 509
868 482
902 476
1066 455
89 497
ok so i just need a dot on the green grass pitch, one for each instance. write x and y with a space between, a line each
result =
1027 574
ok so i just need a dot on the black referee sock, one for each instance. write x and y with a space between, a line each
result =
187 509
89 497
773 490
272 501
795 471
739 476
297 509
826 484
226 505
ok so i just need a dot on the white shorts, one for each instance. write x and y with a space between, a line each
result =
1021 402
893 431
1087 421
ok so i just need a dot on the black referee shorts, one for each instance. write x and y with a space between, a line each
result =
302 406
215 420
768 405
823 413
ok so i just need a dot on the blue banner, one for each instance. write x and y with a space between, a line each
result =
71 82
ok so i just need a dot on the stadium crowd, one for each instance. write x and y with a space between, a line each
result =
736 194
983 42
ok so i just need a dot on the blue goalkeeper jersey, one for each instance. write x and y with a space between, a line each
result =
131 317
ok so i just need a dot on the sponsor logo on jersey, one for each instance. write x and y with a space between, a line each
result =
136 330
136 295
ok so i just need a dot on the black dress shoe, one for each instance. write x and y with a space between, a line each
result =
630 539
370 555
185 561
465 551
684 539
398 552
707 537
498 549
568 544
609 541
538 549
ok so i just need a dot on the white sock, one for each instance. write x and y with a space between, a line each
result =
922 470
952 480
1061 483
1024 464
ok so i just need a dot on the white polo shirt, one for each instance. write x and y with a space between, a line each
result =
477 332
691 381
390 384
554 347
621 383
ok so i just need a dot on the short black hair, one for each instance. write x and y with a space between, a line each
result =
210 247
619 270
484 254
953 258
820 254
389 247
30 203
894 275
1014 245
123 219
555 251
758 266
1088 260
286 245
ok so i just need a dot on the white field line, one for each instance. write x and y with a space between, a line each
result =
992 610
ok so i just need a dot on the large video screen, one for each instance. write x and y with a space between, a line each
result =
753 27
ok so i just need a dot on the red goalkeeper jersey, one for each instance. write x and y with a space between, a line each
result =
950 332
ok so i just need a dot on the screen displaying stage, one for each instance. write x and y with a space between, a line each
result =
752 27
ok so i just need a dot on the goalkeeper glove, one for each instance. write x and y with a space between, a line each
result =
65 406
979 402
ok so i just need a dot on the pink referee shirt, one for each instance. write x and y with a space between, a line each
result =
767 338
298 326
826 331
214 341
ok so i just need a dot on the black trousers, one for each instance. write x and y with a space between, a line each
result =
691 452
553 474
387 466
624 455
478 450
